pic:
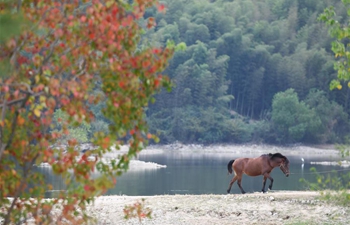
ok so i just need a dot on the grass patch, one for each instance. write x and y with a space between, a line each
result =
308 222
341 197
302 223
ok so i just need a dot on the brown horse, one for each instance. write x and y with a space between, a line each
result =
262 165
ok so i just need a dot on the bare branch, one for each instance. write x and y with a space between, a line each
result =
4 106
20 100
19 5
51 52
27 168
3 111
14 125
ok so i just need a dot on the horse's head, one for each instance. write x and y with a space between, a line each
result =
284 166
282 162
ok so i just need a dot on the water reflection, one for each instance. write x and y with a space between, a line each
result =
56 181
206 173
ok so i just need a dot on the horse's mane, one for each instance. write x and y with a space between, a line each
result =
278 155
267 154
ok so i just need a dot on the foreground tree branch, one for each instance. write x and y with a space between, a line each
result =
54 64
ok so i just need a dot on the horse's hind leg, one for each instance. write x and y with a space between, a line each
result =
231 182
240 186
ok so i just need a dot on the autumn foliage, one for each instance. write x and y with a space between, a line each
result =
62 50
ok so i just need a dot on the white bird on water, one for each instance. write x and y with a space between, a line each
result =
302 164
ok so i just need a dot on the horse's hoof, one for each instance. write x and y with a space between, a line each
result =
228 191
243 192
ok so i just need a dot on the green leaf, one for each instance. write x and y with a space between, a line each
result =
334 84
181 47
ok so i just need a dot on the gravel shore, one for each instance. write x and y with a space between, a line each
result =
280 207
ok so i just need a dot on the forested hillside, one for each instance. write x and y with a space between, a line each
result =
253 71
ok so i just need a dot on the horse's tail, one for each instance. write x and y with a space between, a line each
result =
229 166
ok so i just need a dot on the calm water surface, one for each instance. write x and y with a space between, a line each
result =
202 174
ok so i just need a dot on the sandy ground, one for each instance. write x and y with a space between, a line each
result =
280 207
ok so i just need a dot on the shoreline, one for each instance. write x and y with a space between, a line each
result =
251 150
224 148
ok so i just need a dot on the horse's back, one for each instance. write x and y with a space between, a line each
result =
249 166
240 161
257 160
240 164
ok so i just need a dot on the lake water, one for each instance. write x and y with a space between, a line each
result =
195 173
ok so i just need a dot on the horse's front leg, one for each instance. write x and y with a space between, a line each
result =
271 181
267 175
264 183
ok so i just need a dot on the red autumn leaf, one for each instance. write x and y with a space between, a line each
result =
151 23
20 121
16 93
40 87
146 64
161 8
156 51
84 157
51 103
65 101
156 83
5 89
83 19
114 11
106 139
22 60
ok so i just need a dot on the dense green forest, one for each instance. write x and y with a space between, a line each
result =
252 71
